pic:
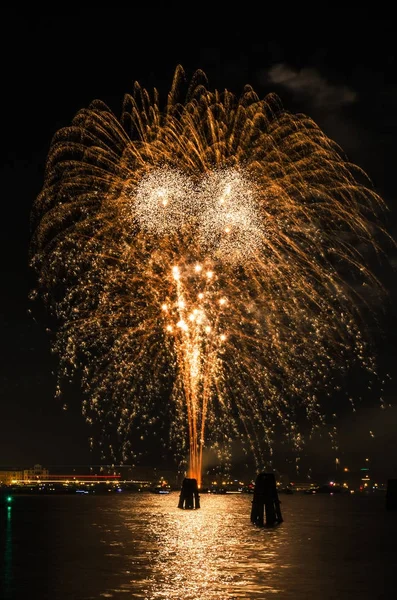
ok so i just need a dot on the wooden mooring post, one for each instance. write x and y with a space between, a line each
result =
265 510
189 497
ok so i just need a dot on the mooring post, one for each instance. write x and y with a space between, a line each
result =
189 497
391 494
266 501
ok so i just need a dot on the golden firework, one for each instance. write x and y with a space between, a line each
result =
204 258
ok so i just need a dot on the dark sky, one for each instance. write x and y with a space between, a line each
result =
340 69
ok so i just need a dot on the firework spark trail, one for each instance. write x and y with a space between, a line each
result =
204 245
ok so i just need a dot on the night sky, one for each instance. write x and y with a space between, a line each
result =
340 69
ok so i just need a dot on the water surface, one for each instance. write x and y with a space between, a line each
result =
143 546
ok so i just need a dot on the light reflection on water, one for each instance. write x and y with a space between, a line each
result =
326 547
141 546
201 553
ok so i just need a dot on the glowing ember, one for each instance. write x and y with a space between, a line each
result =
194 260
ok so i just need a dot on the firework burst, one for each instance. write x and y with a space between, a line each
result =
195 259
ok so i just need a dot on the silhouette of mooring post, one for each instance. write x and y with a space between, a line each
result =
266 501
391 494
189 497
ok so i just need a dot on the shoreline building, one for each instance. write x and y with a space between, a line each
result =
12 476
36 473
9 477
